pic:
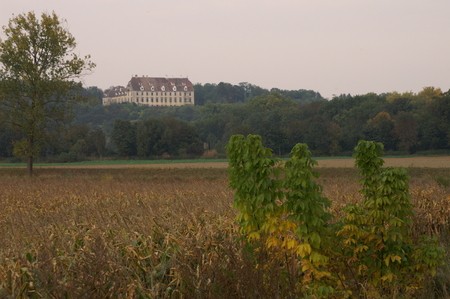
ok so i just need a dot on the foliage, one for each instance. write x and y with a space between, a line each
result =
406 123
287 216
254 179
376 233
156 138
124 137
148 135
38 66
244 91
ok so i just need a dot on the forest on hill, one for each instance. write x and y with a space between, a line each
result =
405 123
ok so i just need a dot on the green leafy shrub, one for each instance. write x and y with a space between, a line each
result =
285 212
282 212
382 257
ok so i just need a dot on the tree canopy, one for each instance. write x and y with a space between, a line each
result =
404 122
38 68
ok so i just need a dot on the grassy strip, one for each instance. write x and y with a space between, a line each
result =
439 162
116 162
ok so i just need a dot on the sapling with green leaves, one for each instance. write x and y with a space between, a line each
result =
286 211
375 234
282 206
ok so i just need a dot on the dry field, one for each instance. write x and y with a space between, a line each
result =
422 162
157 232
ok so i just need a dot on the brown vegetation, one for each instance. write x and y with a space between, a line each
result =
158 232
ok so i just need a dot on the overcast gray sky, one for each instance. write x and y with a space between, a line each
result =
330 46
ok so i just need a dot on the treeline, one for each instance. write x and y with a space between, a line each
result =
229 93
405 123
156 138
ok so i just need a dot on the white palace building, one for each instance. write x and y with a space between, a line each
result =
151 91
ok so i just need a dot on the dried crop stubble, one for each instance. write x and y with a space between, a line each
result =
160 232
431 200
65 219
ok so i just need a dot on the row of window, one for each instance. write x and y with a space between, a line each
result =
151 100
165 100
164 93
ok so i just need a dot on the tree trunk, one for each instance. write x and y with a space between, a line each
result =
30 166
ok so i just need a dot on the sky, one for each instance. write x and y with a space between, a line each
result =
330 46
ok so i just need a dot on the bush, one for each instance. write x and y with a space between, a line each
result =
283 213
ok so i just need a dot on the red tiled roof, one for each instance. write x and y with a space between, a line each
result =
160 84
115 91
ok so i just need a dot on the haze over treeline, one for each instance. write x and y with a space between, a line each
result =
403 122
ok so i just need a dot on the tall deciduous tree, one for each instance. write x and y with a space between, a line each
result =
38 68
148 137
124 137
406 131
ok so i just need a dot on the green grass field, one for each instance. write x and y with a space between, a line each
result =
327 162
116 162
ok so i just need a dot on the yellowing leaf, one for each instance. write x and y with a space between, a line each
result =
361 248
396 258
290 244
349 241
254 236
303 250
392 258
305 267
272 242
318 259
387 260
321 274
387 277
289 225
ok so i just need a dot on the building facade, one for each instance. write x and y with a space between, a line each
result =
151 91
